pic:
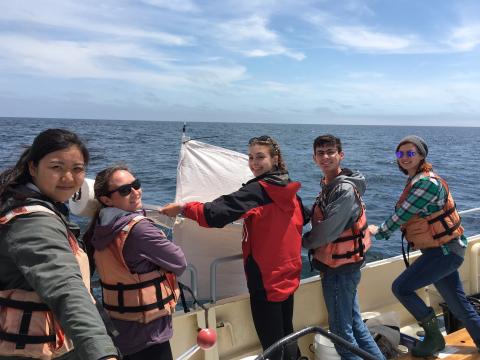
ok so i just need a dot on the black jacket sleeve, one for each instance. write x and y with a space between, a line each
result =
228 208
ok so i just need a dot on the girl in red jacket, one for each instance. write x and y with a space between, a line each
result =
273 221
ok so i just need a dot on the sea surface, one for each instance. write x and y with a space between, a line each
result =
151 149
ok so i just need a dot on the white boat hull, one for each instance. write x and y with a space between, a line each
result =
237 337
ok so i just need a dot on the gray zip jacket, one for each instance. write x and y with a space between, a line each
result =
35 255
339 206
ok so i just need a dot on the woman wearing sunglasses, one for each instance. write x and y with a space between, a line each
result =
137 266
429 221
46 308
273 221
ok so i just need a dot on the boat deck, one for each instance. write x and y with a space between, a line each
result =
459 346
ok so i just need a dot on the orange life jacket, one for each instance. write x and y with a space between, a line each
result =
131 296
352 244
28 327
437 228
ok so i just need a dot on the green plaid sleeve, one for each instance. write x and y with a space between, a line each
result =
422 200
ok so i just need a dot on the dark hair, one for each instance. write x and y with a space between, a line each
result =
274 149
44 143
102 180
100 188
423 166
327 140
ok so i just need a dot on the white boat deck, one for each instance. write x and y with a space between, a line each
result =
459 347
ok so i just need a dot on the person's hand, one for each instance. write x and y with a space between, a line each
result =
172 209
373 229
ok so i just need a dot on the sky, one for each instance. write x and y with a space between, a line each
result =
391 62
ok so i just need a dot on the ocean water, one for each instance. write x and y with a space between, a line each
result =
151 149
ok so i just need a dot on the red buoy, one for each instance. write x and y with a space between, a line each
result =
206 338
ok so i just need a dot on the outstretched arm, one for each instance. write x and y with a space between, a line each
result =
172 209
423 195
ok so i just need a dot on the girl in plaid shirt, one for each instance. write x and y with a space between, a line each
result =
428 219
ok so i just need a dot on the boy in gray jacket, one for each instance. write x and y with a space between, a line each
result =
338 241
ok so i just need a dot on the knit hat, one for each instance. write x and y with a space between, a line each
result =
417 141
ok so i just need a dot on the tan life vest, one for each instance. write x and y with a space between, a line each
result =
28 327
435 229
352 244
131 296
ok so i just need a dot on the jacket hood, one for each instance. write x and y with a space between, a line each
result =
276 177
110 221
354 177
22 194
281 190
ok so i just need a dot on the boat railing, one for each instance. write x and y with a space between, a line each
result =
463 212
213 273
193 279
162 220
282 343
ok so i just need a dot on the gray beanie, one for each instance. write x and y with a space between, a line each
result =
417 141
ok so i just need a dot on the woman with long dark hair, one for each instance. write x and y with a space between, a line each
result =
46 308
273 221
429 221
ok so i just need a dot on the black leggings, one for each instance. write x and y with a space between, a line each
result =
155 352
273 321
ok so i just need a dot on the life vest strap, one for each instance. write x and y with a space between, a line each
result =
358 236
349 254
449 231
160 304
22 338
160 298
442 216
23 305
140 285
26 339
121 288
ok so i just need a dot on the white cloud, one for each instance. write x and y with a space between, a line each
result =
278 87
191 52
358 7
253 28
96 60
362 38
174 5
78 16
465 38
251 37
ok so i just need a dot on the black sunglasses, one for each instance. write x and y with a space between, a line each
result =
126 189
263 138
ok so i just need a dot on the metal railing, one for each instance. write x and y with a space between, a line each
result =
162 219
213 273
193 279
463 212
282 343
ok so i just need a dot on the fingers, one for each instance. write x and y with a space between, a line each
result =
172 209
373 229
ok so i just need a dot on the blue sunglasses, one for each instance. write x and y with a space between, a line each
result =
408 153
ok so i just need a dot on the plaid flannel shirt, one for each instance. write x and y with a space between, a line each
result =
425 197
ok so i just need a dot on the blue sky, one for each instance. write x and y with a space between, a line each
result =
357 62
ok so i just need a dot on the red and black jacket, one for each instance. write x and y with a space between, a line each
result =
273 220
